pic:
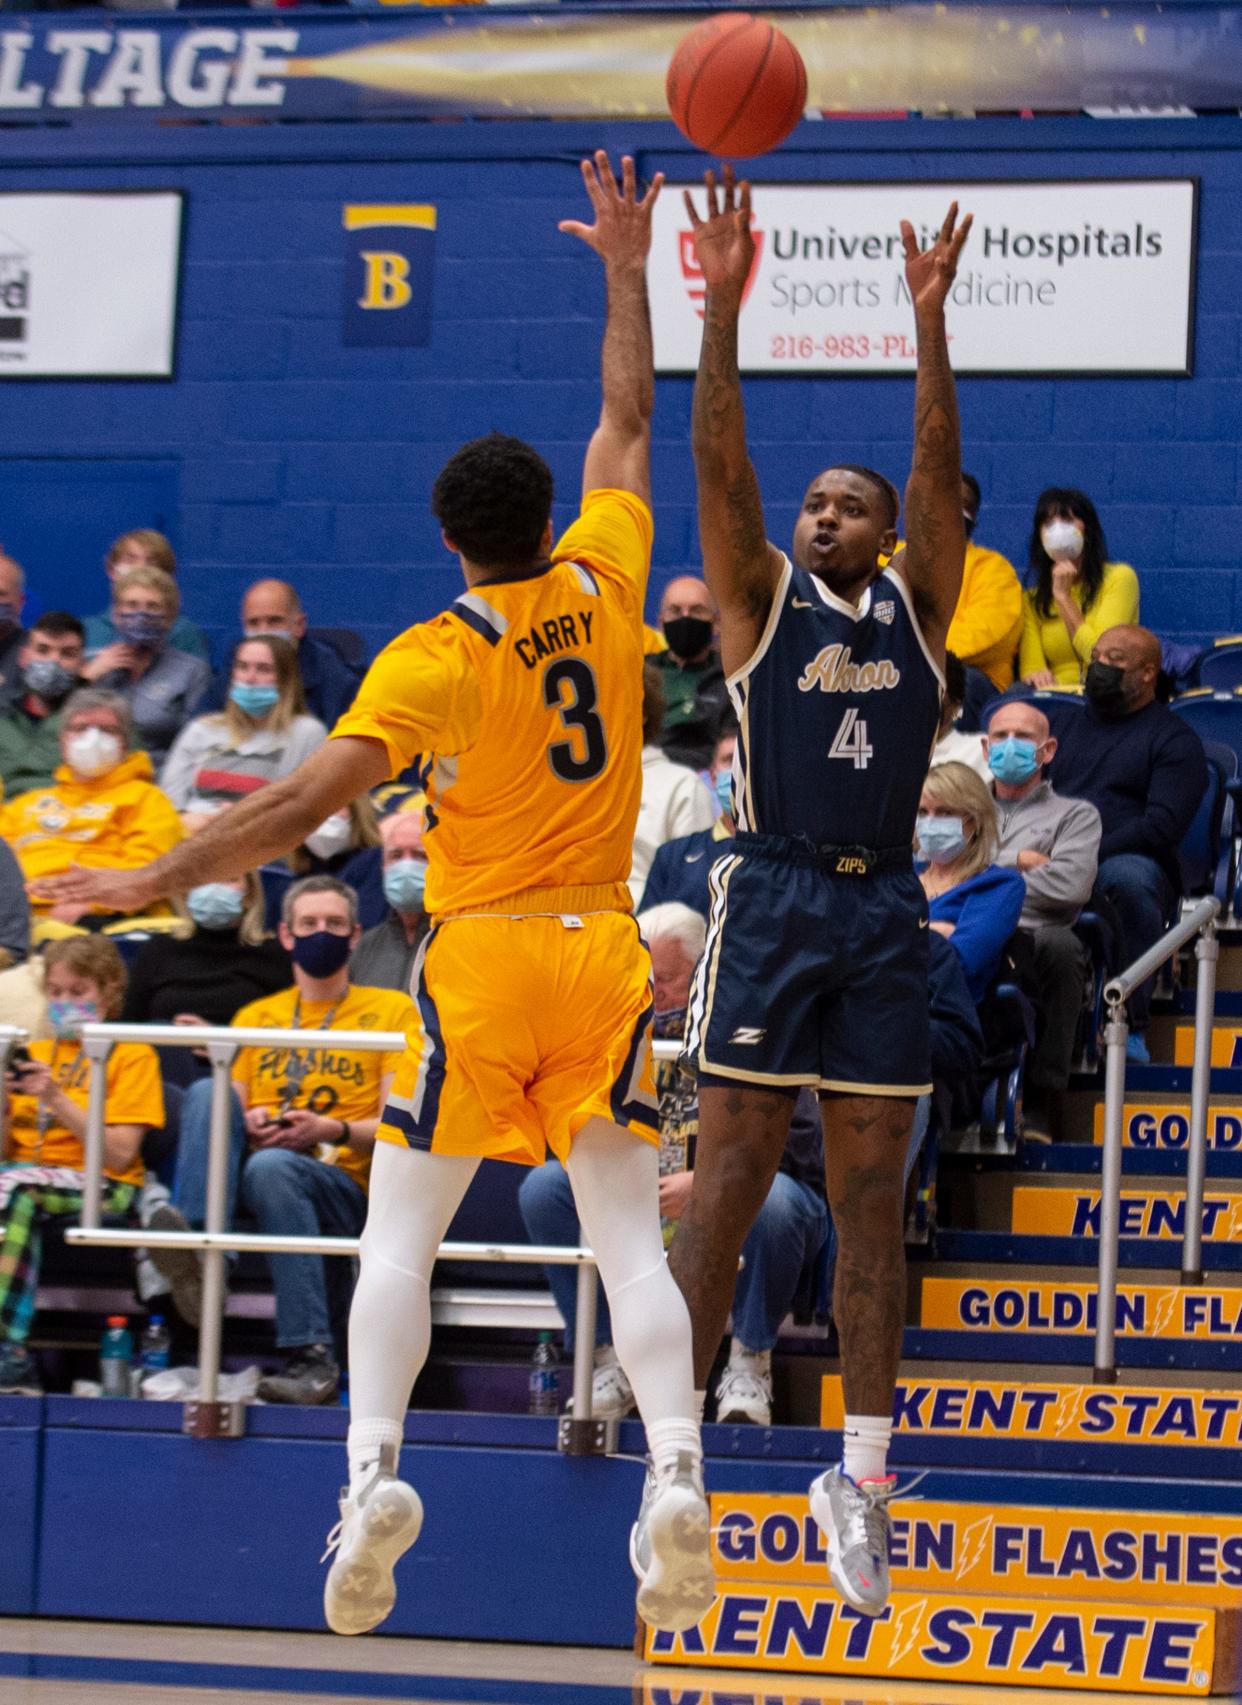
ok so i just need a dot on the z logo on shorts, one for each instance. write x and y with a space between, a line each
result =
746 1036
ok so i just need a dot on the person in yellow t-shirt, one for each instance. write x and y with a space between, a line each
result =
1078 594
45 1129
987 623
533 987
303 1131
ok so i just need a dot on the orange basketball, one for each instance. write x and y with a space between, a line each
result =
736 85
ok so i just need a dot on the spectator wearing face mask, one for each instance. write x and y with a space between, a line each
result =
674 800
301 1136
1055 843
102 810
971 900
1144 770
48 662
1077 594
163 686
384 958
262 734
41 1176
143 547
345 846
219 961
329 683
12 634
680 868
690 672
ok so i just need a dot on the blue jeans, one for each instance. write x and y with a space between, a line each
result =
1143 897
788 1233
290 1194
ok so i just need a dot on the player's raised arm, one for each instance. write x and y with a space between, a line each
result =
272 821
619 454
739 564
935 537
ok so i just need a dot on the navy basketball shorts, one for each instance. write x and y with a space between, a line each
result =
811 976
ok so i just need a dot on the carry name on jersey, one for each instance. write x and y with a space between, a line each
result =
837 712
529 694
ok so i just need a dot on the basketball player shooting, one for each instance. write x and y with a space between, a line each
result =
534 986
815 968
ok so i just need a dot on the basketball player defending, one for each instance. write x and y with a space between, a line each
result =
815 969
533 987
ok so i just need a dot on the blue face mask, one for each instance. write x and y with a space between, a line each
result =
214 905
252 698
1012 760
940 839
405 883
722 783
67 1017
321 954
140 627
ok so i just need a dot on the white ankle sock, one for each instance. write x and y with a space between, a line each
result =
667 1440
757 1362
366 1440
865 1442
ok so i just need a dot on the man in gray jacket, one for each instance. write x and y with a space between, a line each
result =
1055 843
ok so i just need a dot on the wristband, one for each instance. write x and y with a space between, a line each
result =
345 1132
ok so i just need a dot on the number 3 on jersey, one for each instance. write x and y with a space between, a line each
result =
850 741
580 759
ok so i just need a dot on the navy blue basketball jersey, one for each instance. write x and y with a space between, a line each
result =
837 712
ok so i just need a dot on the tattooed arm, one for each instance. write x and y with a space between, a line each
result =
739 564
935 538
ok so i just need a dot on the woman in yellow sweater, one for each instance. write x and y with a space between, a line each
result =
1078 594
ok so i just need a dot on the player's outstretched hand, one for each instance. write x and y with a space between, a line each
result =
930 271
622 229
124 891
723 241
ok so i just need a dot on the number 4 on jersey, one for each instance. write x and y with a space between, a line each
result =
850 741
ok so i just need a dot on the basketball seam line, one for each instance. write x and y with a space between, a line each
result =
741 105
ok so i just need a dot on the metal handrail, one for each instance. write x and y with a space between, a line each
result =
1200 920
221 1043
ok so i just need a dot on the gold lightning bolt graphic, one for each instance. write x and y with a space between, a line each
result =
1068 1409
1162 1316
974 1543
907 1626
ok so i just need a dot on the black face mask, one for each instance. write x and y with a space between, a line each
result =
1105 687
688 636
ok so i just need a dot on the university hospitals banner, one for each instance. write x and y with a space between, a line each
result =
88 285
1067 277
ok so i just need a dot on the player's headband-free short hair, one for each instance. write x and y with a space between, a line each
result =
887 490
493 499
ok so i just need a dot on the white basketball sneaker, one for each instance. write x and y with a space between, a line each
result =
671 1549
376 1528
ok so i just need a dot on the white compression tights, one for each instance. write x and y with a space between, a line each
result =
414 1196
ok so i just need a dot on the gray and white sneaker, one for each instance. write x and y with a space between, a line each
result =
375 1529
744 1394
183 1268
671 1549
855 1523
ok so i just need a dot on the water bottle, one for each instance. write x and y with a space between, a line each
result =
116 1352
155 1350
544 1391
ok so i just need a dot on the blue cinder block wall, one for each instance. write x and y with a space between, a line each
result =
286 453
